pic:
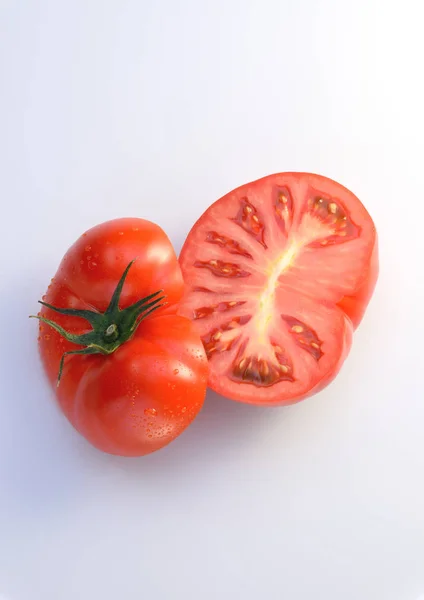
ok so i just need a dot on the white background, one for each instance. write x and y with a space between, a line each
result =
155 109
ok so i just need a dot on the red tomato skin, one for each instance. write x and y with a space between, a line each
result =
94 263
140 398
355 306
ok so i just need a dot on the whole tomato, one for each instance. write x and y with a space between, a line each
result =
130 374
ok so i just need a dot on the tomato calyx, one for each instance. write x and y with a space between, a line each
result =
110 329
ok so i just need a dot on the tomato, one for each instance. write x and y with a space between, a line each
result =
279 273
134 372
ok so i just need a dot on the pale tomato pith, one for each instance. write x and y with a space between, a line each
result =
278 275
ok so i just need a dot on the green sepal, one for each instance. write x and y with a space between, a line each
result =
110 329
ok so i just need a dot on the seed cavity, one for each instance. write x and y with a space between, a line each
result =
304 336
206 311
259 370
202 289
339 227
283 207
249 219
223 338
284 363
232 246
219 268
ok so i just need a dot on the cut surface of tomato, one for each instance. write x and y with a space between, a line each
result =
278 275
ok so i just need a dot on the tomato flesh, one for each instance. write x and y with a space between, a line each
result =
278 275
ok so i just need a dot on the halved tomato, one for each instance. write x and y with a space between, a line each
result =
278 275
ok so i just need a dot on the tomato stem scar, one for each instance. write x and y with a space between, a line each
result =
112 332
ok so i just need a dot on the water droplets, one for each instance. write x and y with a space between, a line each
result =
89 258
150 412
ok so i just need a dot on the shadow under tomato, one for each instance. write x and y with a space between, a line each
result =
222 429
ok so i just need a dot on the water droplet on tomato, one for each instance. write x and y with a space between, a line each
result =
47 337
120 233
151 412
176 371
87 248
184 408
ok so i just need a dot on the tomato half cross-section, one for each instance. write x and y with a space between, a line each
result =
129 373
279 273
